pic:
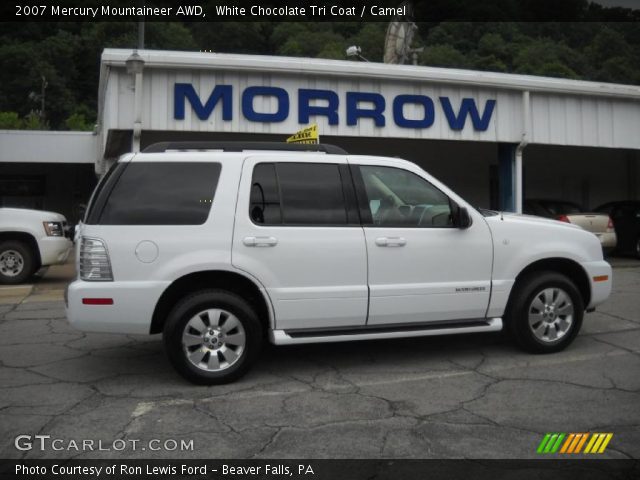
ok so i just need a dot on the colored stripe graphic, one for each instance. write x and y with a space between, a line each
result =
568 442
605 442
581 443
572 443
543 443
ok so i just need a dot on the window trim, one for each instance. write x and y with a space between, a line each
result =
348 194
365 210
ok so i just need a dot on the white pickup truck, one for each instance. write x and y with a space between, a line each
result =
29 240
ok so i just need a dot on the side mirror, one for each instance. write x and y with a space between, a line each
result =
462 219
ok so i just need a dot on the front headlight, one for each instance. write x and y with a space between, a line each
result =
53 229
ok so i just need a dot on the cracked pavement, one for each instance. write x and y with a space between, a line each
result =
470 396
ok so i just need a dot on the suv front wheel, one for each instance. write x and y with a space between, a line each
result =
212 337
545 312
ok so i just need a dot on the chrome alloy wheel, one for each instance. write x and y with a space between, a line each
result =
11 263
213 340
550 314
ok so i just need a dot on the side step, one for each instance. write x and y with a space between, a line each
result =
294 337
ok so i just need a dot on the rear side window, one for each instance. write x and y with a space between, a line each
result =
162 193
297 194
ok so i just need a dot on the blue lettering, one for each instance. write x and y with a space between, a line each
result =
182 91
468 107
221 97
278 116
305 110
398 114
354 111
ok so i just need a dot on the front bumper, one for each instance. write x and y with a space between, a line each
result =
131 311
54 250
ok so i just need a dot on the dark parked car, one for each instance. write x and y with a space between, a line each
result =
626 220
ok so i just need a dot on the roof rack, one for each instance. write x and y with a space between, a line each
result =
242 146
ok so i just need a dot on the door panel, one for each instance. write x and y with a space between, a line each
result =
421 267
309 255
438 274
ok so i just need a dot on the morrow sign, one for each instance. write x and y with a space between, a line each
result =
313 103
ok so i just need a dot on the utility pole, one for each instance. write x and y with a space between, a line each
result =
42 96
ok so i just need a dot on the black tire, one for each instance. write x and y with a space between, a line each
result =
17 262
526 291
637 252
232 306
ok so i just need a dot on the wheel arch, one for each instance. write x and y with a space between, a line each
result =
570 268
27 239
222 279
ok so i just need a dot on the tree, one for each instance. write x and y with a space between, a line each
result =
443 56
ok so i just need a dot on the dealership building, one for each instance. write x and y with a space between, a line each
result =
494 138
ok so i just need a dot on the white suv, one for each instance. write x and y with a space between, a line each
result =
219 246
29 240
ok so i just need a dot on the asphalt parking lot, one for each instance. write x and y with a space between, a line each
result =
473 396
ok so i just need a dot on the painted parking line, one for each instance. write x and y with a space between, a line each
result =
11 295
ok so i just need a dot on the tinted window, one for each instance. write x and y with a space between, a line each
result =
99 195
264 205
399 198
297 194
172 193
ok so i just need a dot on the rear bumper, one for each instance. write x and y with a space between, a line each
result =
600 281
607 240
131 310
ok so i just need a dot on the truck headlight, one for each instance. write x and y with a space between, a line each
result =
53 229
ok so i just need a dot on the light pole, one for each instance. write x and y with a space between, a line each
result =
135 66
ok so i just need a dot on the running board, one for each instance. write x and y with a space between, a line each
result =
294 337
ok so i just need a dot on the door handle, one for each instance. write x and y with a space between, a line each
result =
260 241
391 241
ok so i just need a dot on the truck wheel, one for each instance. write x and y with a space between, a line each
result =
212 337
17 262
545 312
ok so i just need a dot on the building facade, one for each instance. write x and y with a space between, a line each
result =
495 138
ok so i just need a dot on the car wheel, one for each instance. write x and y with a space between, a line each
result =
638 248
212 337
545 312
16 262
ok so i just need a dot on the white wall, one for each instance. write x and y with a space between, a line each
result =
32 146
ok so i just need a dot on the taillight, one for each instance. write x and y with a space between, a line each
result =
610 226
563 218
95 265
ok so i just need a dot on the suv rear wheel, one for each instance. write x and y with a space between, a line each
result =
17 262
545 312
212 337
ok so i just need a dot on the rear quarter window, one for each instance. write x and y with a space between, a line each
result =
162 193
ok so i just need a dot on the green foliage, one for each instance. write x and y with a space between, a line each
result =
65 57
78 122
31 121
443 56
10 121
